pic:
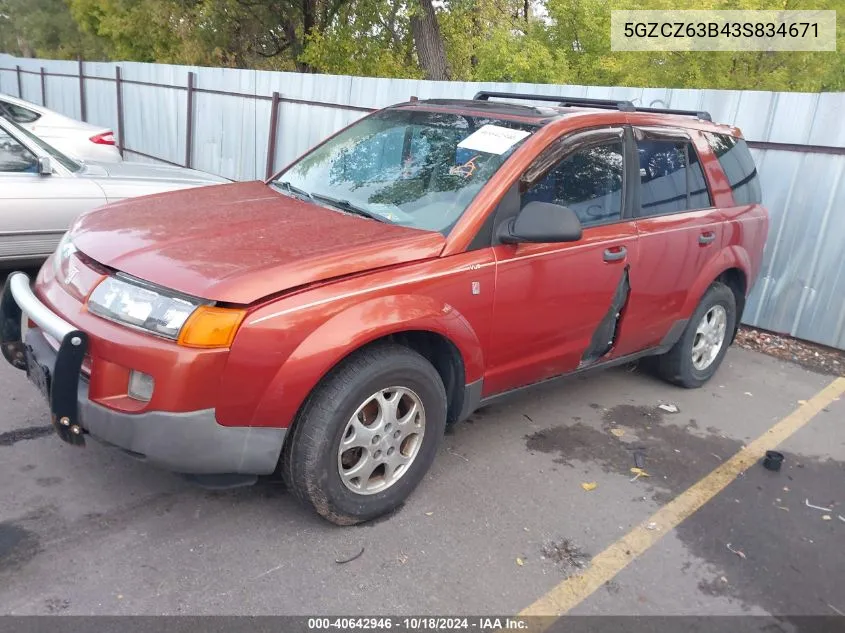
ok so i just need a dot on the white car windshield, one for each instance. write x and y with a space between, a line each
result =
66 162
409 167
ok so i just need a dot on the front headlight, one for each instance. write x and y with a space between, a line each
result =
61 257
133 303
190 321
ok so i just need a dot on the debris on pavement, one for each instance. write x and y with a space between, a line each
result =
738 552
825 517
428 514
451 452
773 461
617 432
638 472
810 505
748 393
343 561
566 554
652 526
639 459
519 561
589 485
668 408
809 355
527 417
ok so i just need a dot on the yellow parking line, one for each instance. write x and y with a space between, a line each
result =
619 555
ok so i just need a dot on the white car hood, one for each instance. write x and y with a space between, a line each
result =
126 180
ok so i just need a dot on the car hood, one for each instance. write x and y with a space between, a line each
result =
126 171
241 242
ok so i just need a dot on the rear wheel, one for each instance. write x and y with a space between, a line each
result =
694 359
367 435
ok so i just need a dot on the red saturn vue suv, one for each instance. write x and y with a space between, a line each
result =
431 257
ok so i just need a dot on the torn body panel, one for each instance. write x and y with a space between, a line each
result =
607 332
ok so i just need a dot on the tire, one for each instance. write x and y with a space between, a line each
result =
678 365
319 473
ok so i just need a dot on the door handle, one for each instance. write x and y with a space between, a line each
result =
615 254
706 238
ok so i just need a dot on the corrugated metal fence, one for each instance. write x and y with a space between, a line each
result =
244 123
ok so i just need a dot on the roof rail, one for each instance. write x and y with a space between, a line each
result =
608 104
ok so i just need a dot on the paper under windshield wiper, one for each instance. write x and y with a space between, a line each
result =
349 207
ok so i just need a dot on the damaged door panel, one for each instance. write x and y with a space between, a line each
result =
607 332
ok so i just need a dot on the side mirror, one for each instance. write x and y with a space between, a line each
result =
542 222
45 167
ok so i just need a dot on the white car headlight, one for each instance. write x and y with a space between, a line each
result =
132 302
64 250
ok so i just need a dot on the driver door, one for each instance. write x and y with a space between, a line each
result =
36 209
557 306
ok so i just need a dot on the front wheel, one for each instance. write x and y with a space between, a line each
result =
694 359
367 434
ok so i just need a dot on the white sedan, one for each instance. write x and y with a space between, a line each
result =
75 138
42 190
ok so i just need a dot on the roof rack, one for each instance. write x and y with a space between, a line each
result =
607 104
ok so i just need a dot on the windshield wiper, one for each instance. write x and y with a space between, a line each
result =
295 190
349 207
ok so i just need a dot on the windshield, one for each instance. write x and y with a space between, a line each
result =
416 169
68 163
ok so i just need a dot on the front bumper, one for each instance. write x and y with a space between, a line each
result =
190 442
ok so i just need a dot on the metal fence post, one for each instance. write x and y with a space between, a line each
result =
189 126
43 87
83 110
119 85
20 84
271 139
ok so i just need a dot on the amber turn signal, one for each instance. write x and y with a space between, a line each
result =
210 326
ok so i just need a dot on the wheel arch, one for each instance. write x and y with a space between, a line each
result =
733 268
434 330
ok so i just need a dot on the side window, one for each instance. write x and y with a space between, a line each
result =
18 114
588 181
738 166
671 178
14 157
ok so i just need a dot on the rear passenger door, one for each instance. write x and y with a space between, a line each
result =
679 232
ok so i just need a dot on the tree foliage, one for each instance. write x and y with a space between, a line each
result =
543 41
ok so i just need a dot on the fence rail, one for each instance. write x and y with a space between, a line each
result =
243 124
190 88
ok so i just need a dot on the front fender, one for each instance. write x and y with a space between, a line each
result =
729 257
351 329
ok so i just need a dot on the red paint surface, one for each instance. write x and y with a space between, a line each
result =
319 284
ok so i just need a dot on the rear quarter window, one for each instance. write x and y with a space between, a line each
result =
17 113
738 165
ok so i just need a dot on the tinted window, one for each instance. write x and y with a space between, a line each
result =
671 178
17 113
588 181
738 166
14 157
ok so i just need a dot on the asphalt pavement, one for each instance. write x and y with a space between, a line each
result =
501 519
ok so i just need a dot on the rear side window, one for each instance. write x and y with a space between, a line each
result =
671 178
738 166
17 113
